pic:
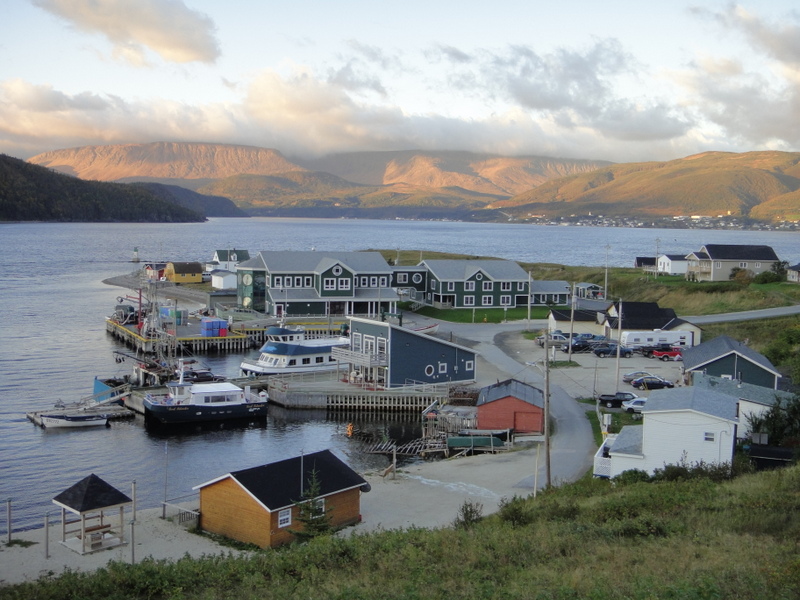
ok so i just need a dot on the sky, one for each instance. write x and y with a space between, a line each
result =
618 80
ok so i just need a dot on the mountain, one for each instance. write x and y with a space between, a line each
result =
205 204
33 193
760 185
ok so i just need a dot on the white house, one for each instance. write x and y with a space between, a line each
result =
793 274
228 259
681 425
673 264
222 279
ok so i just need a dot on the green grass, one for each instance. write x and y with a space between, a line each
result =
673 539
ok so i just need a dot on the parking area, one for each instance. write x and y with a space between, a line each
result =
600 375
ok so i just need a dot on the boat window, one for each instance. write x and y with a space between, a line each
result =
306 361
292 362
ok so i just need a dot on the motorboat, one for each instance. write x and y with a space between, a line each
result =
186 402
292 350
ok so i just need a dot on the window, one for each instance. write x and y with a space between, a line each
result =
319 359
469 365
344 283
356 341
298 281
743 265
451 286
442 367
488 286
307 361
292 362
758 265
469 286
487 300
429 370
337 270
330 283
433 284
469 300
505 300
373 282
417 278
308 281
709 436
285 517
520 286
505 286
384 283
402 278
278 281
718 265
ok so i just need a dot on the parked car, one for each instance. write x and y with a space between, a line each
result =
202 376
671 354
628 377
616 400
634 406
580 345
611 350
651 382
647 351
555 339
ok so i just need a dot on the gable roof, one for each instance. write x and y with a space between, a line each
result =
644 261
280 484
719 347
675 257
185 268
739 252
232 254
461 270
702 400
582 316
511 387
91 493
310 261
641 316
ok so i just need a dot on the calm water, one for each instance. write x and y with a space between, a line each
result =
53 340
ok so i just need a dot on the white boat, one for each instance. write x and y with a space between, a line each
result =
200 402
290 350
65 420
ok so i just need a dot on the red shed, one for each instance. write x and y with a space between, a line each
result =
511 404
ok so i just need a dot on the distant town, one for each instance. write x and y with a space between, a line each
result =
678 222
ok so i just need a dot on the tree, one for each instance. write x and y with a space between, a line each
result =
312 512
780 268
781 422
743 277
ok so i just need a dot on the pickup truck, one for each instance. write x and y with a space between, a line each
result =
611 350
616 400
647 351
554 340
671 354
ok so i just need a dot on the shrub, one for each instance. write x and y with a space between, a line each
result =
632 476
767 277
517 512
469 515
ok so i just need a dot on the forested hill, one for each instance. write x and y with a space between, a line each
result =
33 193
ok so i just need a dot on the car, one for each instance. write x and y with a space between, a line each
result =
651 382
580 345
634 406
555 339
647 351
628 377
201 376
671 354
616 400
611 350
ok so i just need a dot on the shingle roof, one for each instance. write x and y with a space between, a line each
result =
511 387
642 316
740 252
583 316
461 270
702 354
746 391
289 261
644 261
702 400
280 484
628 441
239 255
91 493
676 257
549 287
187 267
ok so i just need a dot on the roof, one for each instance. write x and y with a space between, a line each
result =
582 316
461 270
280 484
739 252
549 287
702 400
289 261
91 493
712 350
644 261
628 441
511 387
232 255
756 394
187 267
642 316
588 286
675 257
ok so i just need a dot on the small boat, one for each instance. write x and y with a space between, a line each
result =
66 420
290 350
201 402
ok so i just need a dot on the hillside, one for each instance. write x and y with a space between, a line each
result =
761 185
33 193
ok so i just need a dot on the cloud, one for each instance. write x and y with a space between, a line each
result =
166 27
779 41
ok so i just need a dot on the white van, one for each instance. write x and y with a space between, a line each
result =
637 339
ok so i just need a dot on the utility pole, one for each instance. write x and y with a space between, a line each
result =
655 274
605 288
528 327
571 323
619 337
546 413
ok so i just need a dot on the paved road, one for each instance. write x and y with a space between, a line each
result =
748 315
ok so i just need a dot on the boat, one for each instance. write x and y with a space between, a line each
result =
65 420
290 350
201 402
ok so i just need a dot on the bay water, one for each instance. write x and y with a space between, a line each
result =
53 340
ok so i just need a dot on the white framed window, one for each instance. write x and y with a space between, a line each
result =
469 286
451 286
319 508
337 270
330 283
402 278
505 286
285 517
384 282
417 278
743 265
429 370
469 365
708 436
758 265
278 281
433 284
442 367
298 281
469 300
505 300
521 285
307 281
344 283
488 286
356 341
487 300
373 281
718 265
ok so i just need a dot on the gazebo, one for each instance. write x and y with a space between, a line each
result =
91 498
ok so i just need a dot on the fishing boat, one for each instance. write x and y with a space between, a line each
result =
201 402
291 350
66 420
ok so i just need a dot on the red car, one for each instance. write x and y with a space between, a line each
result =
671 354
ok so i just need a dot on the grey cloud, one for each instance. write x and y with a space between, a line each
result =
350 78
167 27
780 41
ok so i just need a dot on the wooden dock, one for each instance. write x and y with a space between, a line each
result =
102 403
